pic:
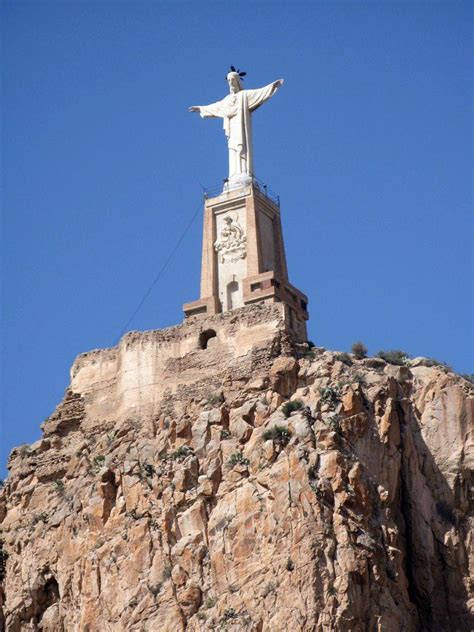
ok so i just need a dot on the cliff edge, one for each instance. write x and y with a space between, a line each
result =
239 487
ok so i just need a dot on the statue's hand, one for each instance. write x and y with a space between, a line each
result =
194 108
278 83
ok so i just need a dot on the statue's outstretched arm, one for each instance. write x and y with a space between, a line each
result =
257 97
213 110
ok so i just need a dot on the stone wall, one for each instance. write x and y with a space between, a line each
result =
133 378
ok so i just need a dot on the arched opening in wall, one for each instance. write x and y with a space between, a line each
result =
232 294
205 336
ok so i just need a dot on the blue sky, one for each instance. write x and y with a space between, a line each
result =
367 144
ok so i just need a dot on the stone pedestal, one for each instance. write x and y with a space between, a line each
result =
243 258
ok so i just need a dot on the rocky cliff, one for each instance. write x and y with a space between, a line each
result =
277 494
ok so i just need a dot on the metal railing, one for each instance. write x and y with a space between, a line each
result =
258 184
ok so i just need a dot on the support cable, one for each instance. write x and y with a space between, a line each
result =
160 273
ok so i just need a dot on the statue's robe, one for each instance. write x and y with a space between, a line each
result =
236 111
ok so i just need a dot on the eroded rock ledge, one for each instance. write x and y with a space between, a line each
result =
172 509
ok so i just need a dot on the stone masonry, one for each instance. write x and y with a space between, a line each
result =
243 258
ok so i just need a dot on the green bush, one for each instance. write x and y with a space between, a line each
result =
59 487
24 450
469 377
435 362
181 453
334 422
345 358
229 613
98 463
395 356
214 398
358 378
3 562
330 395
289 407
278 434
237 458
359 350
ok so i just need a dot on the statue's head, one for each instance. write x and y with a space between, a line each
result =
234 78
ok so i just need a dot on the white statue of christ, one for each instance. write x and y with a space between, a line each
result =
236 109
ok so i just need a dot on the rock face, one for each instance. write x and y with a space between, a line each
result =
197 504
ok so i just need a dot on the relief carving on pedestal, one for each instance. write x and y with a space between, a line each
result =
232 243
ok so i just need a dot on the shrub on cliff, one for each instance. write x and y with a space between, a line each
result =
359 350
330 395
334 423
289 407
358 378
435 362
24 450
237 458
229 613
345 358
278 434
3 562
181 453
59 488
395 356
97 464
